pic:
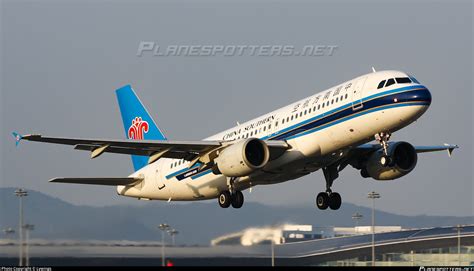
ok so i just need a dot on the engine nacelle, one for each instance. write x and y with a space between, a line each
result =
242 158
403 156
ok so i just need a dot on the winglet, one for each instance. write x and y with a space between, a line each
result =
451 148
18 137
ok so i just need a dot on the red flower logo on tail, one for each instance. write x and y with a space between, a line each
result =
138 128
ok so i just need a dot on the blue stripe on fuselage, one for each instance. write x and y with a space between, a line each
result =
406 96
401 97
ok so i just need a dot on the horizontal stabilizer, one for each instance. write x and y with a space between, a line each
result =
98 181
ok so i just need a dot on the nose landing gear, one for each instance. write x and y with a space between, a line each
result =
383 138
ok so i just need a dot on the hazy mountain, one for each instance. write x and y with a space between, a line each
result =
197 222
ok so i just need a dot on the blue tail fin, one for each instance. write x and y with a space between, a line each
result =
137 122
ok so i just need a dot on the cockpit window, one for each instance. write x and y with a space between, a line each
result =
390 82
414 80
403 80
381 84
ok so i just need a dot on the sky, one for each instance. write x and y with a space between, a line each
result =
62 60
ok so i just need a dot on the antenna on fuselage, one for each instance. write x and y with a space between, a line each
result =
373 69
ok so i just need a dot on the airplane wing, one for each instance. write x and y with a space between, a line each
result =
419 149
98 181
174 149
155 149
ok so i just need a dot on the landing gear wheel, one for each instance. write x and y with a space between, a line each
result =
334 201
224 199
364 173
385 160
322 201
237 199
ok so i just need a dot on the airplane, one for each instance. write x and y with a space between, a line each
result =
328 130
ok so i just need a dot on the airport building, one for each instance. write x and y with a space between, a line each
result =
442 246
263 235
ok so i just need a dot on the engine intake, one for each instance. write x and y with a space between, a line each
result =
242 158
403 156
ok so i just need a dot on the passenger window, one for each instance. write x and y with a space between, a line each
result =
291 117
337 99
381 84
305 112
319 106
390 82
345 96
309 111
403 80
301 114
332 101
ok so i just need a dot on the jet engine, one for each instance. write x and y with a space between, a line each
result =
402 156
242 158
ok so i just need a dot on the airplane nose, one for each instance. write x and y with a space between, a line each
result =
421 96
426 96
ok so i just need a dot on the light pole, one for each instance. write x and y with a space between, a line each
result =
357 217
172 233
28 228
8 231
20 193
163 228
373 195
273 252
459 229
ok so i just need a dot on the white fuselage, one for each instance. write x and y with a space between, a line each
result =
320 129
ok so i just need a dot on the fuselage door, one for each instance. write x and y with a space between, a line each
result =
160 184
275 126
357 90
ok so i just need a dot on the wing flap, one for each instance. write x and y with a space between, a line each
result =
98 181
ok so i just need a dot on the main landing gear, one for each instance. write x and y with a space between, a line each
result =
383 138
231 197
227 199
329 199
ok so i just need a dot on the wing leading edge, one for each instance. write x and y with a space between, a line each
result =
154 149
174 149
98 181
419 149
